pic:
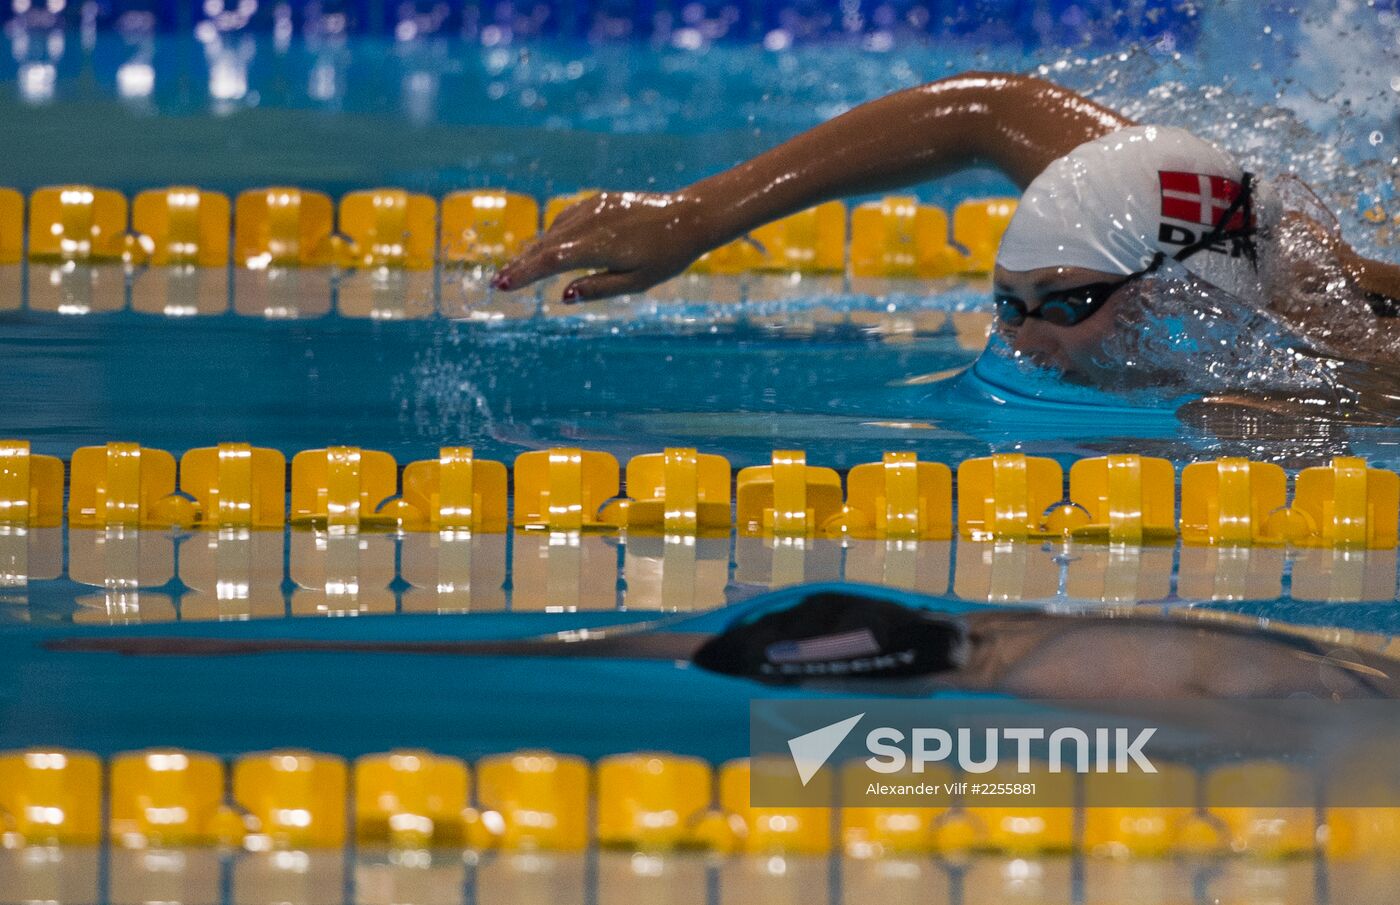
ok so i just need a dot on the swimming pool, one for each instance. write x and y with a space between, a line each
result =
737 365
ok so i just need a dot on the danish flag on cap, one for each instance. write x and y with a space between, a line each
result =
1201 199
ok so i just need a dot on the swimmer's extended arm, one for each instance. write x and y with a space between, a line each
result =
627 643
1377 278
637 239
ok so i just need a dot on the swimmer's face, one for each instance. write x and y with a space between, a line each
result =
1069 348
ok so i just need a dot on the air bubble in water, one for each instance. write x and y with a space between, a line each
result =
1377 137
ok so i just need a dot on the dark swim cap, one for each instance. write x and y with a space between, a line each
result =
831 634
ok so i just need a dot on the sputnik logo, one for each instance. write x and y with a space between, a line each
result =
811 750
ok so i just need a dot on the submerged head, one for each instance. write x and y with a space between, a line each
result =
843 635
1109 213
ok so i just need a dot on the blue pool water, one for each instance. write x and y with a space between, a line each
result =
843 374
549 97
411 387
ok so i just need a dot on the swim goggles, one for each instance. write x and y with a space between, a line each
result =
1068 307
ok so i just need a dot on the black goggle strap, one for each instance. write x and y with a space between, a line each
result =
1094 294
1087 300
1245 200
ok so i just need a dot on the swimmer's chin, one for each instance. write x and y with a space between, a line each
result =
1058 362
1076 372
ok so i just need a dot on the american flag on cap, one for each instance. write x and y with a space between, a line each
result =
842 646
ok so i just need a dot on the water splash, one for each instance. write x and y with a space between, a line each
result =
1318 354
1305 96
1308 89
447 394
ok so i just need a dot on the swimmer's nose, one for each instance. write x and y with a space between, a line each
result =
1034 338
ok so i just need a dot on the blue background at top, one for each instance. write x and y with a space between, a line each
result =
1030 22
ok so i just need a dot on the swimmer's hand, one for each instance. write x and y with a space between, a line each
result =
629 240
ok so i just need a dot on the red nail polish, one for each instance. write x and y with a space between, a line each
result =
570 295
501 281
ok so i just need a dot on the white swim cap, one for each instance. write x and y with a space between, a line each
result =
1114 203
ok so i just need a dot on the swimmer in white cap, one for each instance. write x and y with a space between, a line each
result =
1106 203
